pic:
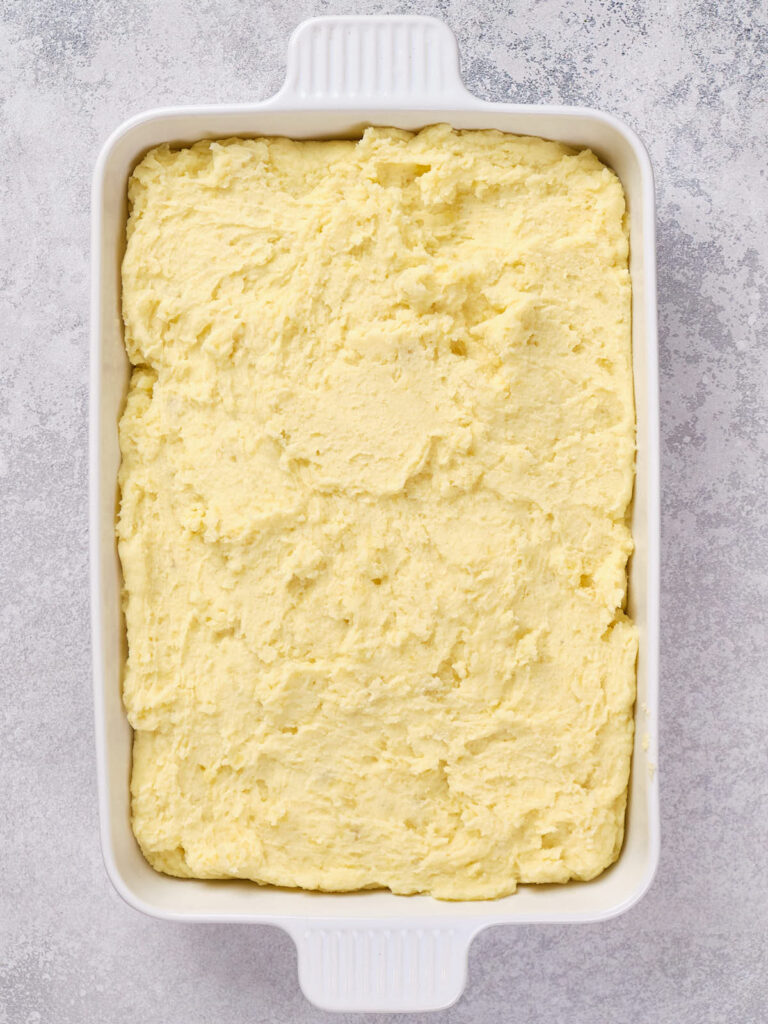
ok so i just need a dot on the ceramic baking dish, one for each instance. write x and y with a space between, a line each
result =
367 950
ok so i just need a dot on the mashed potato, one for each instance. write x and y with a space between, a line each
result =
378 452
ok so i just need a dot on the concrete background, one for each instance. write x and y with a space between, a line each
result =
691 78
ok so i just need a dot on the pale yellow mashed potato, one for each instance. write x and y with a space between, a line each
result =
378 453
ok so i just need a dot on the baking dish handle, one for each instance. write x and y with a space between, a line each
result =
374 966
376 61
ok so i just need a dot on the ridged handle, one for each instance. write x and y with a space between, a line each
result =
372 62
379 968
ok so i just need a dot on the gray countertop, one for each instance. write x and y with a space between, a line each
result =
693 82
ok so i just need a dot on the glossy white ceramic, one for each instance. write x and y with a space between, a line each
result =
367 950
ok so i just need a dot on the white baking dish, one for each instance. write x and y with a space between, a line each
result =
368 950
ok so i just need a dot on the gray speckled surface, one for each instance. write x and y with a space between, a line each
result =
692 78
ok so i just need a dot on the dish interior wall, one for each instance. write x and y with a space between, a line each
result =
133 877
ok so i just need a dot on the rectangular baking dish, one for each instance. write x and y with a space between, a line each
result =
367 950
